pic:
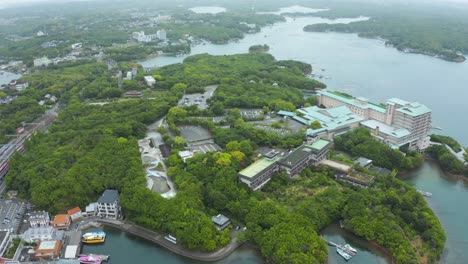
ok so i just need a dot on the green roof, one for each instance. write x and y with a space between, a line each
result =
257 167
414 109
319 144
352 101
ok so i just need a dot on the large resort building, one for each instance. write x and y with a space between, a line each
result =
260 172
397 123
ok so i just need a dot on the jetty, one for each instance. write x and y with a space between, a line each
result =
346 251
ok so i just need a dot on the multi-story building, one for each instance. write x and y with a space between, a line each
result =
333 121
161 34
108 204
397 123
61 222
260 172
304 156
39 219
4 241
44 61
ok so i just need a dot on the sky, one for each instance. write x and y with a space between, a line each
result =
10 3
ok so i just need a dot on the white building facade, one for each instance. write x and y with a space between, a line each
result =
108 204
396 123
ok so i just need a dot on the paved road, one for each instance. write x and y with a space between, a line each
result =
159 239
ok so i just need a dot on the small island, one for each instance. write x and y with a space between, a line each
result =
259 48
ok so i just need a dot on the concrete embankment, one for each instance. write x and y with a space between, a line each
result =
159 239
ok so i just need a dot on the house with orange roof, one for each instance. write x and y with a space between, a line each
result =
75 214
61 221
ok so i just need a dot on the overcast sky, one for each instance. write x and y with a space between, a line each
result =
9 3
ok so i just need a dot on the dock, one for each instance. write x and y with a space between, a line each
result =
343 248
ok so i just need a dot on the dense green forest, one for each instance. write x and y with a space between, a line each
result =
88 80
359 142
449 141
447 161
93 147
440 31
245 80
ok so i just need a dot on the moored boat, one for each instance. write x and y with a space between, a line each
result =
90 260
349 249
93 237
342 253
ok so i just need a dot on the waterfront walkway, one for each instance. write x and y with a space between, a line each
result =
159 239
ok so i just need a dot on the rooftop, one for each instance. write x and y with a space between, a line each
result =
109 196
47 245
257 167
360 178
363 161
286 113
296 156
386 129
319 144
219 219
61 219
70 252
330 118
414 109
352 101
74 211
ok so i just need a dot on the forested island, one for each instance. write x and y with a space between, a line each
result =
259 48
409 28
91 147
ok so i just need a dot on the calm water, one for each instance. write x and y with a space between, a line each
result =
448 199
366 253
6 77
363 67
125 248
208 9
366 67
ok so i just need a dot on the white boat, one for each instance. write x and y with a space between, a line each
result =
349 248
342 253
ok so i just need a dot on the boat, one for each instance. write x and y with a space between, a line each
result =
93 237
342 253
90 260
349 248
427 194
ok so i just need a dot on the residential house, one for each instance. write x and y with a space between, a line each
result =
75 214
61 221
220 221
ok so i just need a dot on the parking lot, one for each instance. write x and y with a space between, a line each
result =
251 113
11 213
194 133
204 147
280 131
215 119
198 99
